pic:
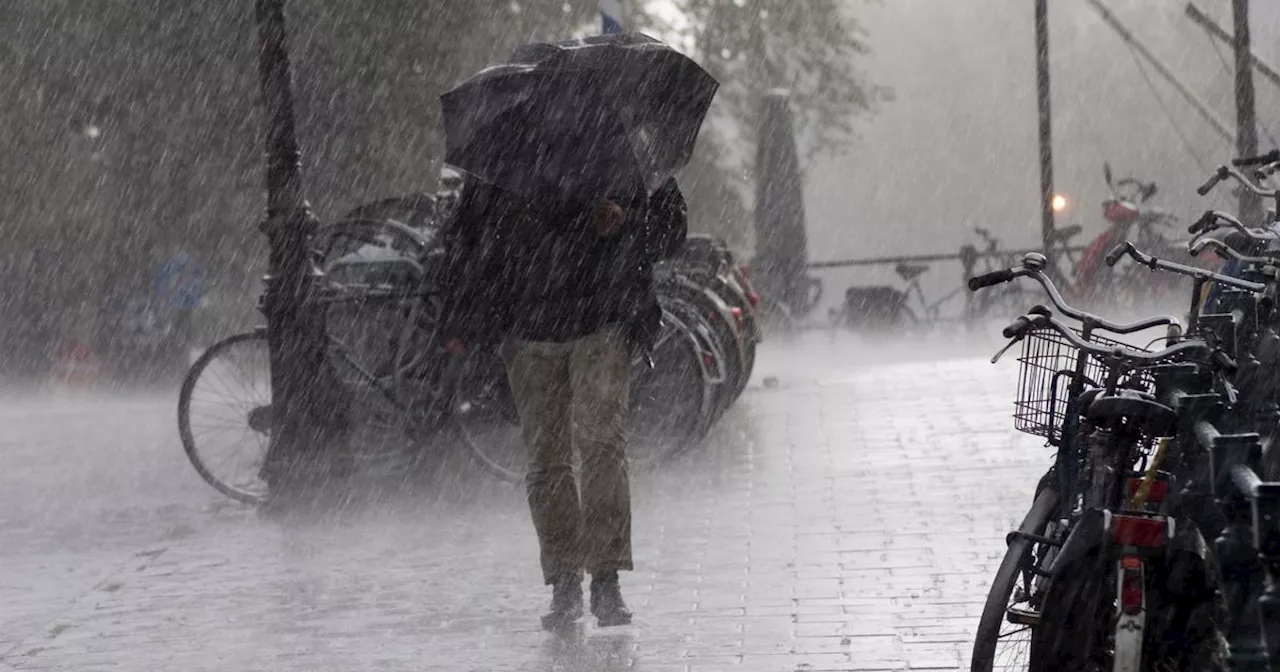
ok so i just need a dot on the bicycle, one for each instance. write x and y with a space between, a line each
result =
885 308
1237 446
380 309
1085 579
708 262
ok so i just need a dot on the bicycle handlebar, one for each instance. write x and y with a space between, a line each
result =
1266 171
1033 265
1120 250
1211 218
1212 182
1223 172
1127 249
1272 156
1133 357
1197 246
988 279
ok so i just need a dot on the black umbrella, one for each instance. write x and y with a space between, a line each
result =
579 119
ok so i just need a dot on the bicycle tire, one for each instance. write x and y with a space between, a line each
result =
724 326
709 342
1012 567
401 357
185 432
751 334
499 405
400 236
417 211
1183 632
680 352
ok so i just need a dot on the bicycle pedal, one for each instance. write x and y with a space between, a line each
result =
1022 616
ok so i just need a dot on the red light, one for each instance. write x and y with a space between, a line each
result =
1131 589
753 299
737 315
1119 211
708 359
1138 531
1155 494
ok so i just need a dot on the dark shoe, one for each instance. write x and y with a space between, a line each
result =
606 600
566 604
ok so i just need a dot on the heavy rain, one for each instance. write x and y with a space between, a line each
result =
639 335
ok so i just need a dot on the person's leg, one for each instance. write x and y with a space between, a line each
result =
539 376
600 371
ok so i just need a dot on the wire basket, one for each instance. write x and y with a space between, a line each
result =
1048 364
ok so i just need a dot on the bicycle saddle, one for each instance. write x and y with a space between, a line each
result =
909 272
1139 409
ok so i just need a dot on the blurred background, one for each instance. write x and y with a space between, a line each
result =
130 128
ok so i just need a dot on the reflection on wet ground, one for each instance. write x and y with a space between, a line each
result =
845 516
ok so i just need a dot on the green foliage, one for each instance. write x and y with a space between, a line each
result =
813 49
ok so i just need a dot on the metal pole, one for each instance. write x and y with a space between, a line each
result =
1214 30
1046 129
295 326
1110 19
1246 121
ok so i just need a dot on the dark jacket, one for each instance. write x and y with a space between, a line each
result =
539 271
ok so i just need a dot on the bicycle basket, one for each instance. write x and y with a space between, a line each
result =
1048 364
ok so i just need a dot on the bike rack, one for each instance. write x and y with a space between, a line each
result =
968 257
1248 549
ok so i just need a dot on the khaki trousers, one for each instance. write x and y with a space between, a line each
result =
573 399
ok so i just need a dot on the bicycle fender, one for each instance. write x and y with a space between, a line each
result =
1090 532
1086 535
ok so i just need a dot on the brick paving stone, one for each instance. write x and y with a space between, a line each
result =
848 520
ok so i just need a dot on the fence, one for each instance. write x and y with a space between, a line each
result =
968 257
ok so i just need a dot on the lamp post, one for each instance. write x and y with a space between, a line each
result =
1046 133
304 412
1246 124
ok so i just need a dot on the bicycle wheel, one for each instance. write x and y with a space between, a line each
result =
671 404
714 359
366 238
668 410
719 316
227 392
417 211
1002 643
486 417
1184 617
380 327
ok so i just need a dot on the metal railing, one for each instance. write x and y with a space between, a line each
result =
968 257
1248 550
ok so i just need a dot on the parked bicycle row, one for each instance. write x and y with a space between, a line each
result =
1152 542
392 371
1080 272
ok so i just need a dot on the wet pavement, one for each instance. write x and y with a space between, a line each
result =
847 517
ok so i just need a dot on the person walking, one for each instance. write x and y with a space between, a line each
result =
566 290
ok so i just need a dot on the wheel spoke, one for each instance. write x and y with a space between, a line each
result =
231 380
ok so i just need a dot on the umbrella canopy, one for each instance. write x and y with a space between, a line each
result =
579 119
